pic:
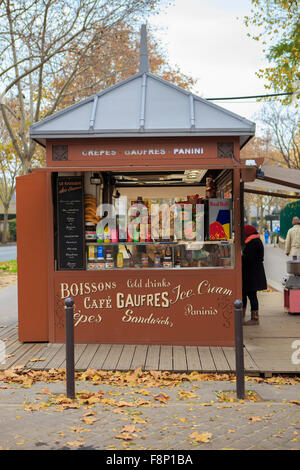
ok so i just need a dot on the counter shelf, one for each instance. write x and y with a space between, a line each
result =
159 255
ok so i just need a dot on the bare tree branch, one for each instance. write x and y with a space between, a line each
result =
35 37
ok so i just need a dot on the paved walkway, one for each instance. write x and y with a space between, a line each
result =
186 416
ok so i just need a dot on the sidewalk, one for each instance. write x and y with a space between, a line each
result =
188 415
146 412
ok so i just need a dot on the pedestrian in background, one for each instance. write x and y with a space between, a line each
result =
267 235
292 242
253 272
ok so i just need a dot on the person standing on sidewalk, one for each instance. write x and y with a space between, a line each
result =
292 242
253 272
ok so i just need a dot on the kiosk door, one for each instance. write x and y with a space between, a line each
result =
33 244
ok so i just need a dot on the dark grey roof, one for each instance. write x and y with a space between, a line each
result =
276 178
144 105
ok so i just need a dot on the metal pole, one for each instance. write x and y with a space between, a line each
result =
239 349
69 306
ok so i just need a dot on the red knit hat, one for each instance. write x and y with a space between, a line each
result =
249 230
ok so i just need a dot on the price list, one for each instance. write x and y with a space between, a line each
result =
70 213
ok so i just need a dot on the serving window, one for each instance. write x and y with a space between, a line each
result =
132 221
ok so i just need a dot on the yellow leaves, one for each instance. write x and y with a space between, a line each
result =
78 429
89 413
130 428
37 359
88 420
200 438
45 391
138 420
162 397
75 444
20 443
254 419
89 398
35 407
131 378
184 395
65 403
230 396
142 402
143 392
125 435
9 374
122 403
128 432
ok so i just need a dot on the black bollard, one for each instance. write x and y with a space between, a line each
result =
69 305
239 349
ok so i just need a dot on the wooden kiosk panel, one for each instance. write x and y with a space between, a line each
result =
183 307
33 248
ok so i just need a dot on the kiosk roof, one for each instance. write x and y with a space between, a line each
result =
143 105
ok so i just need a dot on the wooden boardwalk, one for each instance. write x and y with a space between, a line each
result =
268 350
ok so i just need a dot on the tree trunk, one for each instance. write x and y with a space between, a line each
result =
26 166
5 223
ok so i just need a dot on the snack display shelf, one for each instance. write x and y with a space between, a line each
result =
160 242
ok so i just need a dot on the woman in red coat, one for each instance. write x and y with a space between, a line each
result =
254 278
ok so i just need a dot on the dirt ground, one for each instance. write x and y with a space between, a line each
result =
7 279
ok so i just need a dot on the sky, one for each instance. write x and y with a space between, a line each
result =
208 40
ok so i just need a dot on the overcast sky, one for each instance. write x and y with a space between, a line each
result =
208 40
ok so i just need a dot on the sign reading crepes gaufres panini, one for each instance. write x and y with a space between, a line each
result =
159 151
70 223
144 151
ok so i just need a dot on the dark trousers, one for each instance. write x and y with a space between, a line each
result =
252 296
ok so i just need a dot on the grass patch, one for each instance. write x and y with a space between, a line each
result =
8 267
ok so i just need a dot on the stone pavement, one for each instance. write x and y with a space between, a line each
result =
187 416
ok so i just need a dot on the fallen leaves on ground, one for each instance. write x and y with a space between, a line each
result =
202 438
78 429
185 395
128 432
75 444
88 420
254 419
21 375
229 396
7 279
124 435
162 397
45 391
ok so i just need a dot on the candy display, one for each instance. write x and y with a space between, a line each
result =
161 233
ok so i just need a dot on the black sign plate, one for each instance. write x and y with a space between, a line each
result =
70 216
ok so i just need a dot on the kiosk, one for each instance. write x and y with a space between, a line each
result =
91 224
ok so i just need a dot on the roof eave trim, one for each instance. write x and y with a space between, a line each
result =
143 132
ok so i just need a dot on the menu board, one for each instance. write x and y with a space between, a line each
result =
70 216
